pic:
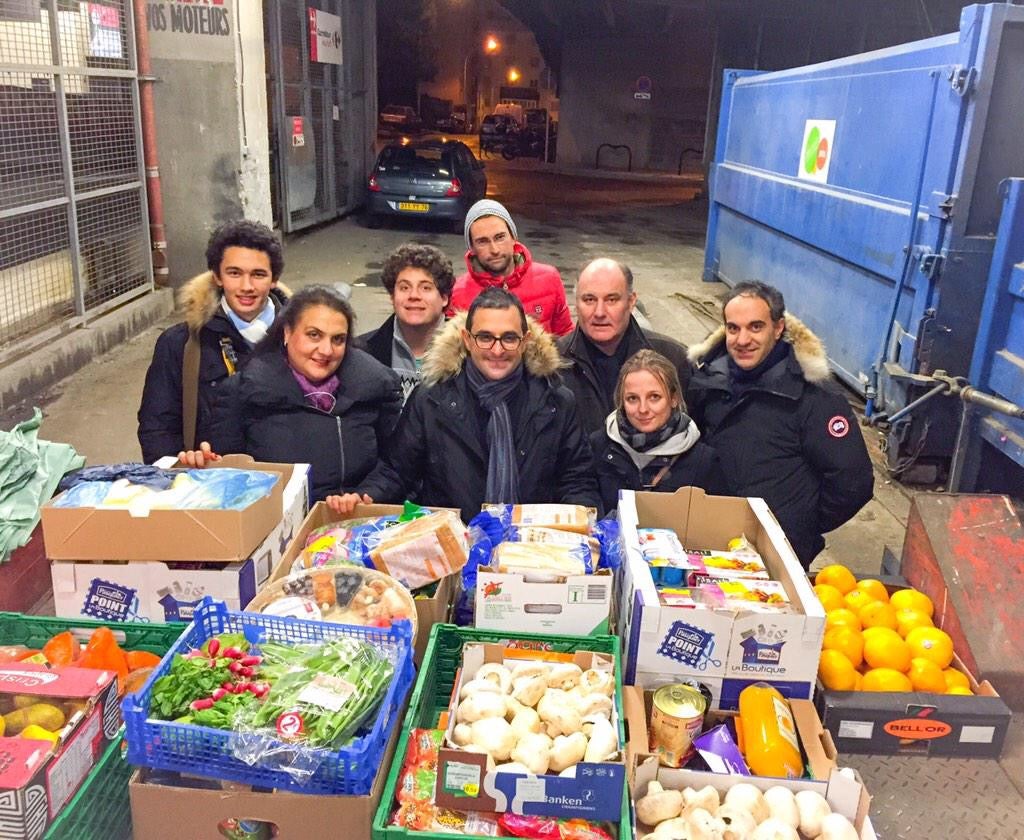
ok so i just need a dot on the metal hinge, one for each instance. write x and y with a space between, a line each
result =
929 263
942 205
961 79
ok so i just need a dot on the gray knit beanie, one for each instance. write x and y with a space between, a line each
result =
487 207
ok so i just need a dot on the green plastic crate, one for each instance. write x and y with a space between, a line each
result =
101 809
433 690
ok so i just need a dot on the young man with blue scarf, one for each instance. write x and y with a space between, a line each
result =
228 309
490 421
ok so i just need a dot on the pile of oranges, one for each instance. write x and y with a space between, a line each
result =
875 641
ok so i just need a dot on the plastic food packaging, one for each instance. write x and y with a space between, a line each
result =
547 828
552 536
719 751
423 550
342 594
561 517
540 562
767 734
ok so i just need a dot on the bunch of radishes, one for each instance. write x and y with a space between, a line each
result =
745 813
537 717
243 668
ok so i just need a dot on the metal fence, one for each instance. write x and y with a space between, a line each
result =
74 231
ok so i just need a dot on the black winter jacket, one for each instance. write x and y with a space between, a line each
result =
790 439
699 466
437 455
580 378
262 412
160 412
378 342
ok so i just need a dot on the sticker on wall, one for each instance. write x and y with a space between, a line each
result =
816 151
324 37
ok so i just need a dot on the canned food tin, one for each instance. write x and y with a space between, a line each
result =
677 716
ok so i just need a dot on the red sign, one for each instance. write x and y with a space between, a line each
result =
918 729
289 725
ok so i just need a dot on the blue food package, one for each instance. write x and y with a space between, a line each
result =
718 749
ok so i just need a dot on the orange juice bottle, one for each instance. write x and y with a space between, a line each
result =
767 734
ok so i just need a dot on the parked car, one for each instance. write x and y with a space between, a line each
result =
434 179
400 118
494 130
454 123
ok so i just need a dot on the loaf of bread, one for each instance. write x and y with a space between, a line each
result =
575 518
551 536
423 550
538 562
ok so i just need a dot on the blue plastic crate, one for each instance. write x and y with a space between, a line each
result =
204 751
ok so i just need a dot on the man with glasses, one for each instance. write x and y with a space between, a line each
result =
419 280
496 259
489 422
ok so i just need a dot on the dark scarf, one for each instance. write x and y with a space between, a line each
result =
644 441
320 395
741 379
493 395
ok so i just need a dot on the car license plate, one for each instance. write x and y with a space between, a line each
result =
413 206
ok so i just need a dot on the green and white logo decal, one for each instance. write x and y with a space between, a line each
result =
816 151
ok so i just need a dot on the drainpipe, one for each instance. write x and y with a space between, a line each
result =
154 195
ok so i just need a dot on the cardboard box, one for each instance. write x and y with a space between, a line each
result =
221 535
844 793
165 807
429 611
723 649
40 778
465 784
578 607
919 722
168 591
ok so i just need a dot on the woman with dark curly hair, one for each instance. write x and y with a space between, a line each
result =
419 279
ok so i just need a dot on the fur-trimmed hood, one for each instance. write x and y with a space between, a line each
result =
200 299
808 349
447 353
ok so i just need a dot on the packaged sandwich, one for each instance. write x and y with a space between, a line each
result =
575 518
539 562
552 536
423 550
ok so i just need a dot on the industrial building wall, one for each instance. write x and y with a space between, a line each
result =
211 120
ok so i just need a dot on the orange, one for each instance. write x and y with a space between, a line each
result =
875 588
955 679
836 672
887 650
875 631
913 600
859 685
841 617
847 641
931 643
878 614
838 576
925 675
907 619
960 689
857 599
885 679
830 597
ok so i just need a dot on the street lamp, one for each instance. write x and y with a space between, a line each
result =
491 46
513 75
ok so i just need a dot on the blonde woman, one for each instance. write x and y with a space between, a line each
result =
648 442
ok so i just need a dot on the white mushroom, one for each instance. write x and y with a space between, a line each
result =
706 798
529 669
529 690
494 735
812 808
603 741
836 827
473 686
462 734
676 828
782 805
750 799
567 750
558 711
594 704
773 829
512 707
739 824
593 681
483 704
513 767
658 804
496 673
703 826
533 751
568 773
564 675
473 748
525 722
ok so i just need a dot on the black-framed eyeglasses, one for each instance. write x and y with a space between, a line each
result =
509 340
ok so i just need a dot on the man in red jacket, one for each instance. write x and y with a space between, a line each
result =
497 259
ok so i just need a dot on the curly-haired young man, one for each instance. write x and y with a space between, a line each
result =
419 279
